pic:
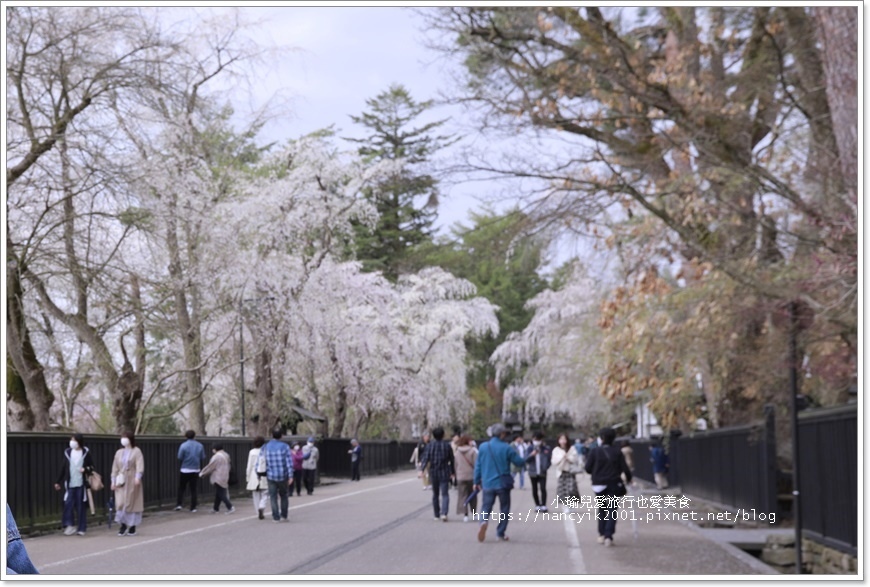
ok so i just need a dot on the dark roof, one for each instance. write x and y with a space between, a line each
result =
308 414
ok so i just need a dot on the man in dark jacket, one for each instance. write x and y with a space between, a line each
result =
438 455
537 462
605 465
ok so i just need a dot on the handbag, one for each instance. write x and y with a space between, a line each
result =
120 480
95 481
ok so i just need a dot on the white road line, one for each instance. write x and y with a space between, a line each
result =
212 526
574 546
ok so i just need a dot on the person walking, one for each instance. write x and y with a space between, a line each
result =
661 464
355 457
606 465
492 476
218 471
566 460
538 462
191 454
128 468
438 456
520 447
298 458
464 459
77 465
310 456
255 473
417 455
279 473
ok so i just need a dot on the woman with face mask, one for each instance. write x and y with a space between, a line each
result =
127 470
77 465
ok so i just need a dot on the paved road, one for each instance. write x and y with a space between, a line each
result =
381 526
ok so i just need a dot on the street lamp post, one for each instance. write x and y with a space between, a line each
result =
795 316
242 367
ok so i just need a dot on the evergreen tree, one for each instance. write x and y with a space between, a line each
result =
407 201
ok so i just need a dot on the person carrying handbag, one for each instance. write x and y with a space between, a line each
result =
606 465
566 460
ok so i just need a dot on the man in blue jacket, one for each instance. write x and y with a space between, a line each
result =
492 475
191 454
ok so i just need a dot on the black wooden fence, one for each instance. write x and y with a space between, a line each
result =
34 460
736 467
828 444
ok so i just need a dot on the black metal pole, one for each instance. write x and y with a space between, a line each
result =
795 475
242 367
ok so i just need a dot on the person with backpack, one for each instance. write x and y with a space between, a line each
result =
258 485
218 470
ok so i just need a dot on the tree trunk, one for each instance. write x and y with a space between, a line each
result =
188 325
19 416
265 392
838 26
31 408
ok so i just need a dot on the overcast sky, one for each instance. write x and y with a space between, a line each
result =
343 56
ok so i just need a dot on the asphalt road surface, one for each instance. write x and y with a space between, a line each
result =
382 526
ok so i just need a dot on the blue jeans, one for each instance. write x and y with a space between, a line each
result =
522 474
606 517
504 500
221 494
277 488
440 486
17 560
75 508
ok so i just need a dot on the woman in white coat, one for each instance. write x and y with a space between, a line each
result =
258 485
566 460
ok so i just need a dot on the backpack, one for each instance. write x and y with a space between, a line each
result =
261 464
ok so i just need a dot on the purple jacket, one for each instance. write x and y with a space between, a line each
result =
298 457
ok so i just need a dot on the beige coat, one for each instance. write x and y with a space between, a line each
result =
130 496
464 459
218 469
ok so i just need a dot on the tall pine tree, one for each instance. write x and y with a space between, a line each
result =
407 201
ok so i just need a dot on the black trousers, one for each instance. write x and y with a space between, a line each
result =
354 471
187 480
539 484
309 480
298 474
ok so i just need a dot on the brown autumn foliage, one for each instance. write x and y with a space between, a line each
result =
704 139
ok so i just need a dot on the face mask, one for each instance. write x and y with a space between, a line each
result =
310 444
537 443
73 444
600 442
125 442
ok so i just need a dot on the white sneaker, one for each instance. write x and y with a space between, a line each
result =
465 519
608 542
444 518
69 531
231 510
601 540
80 533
